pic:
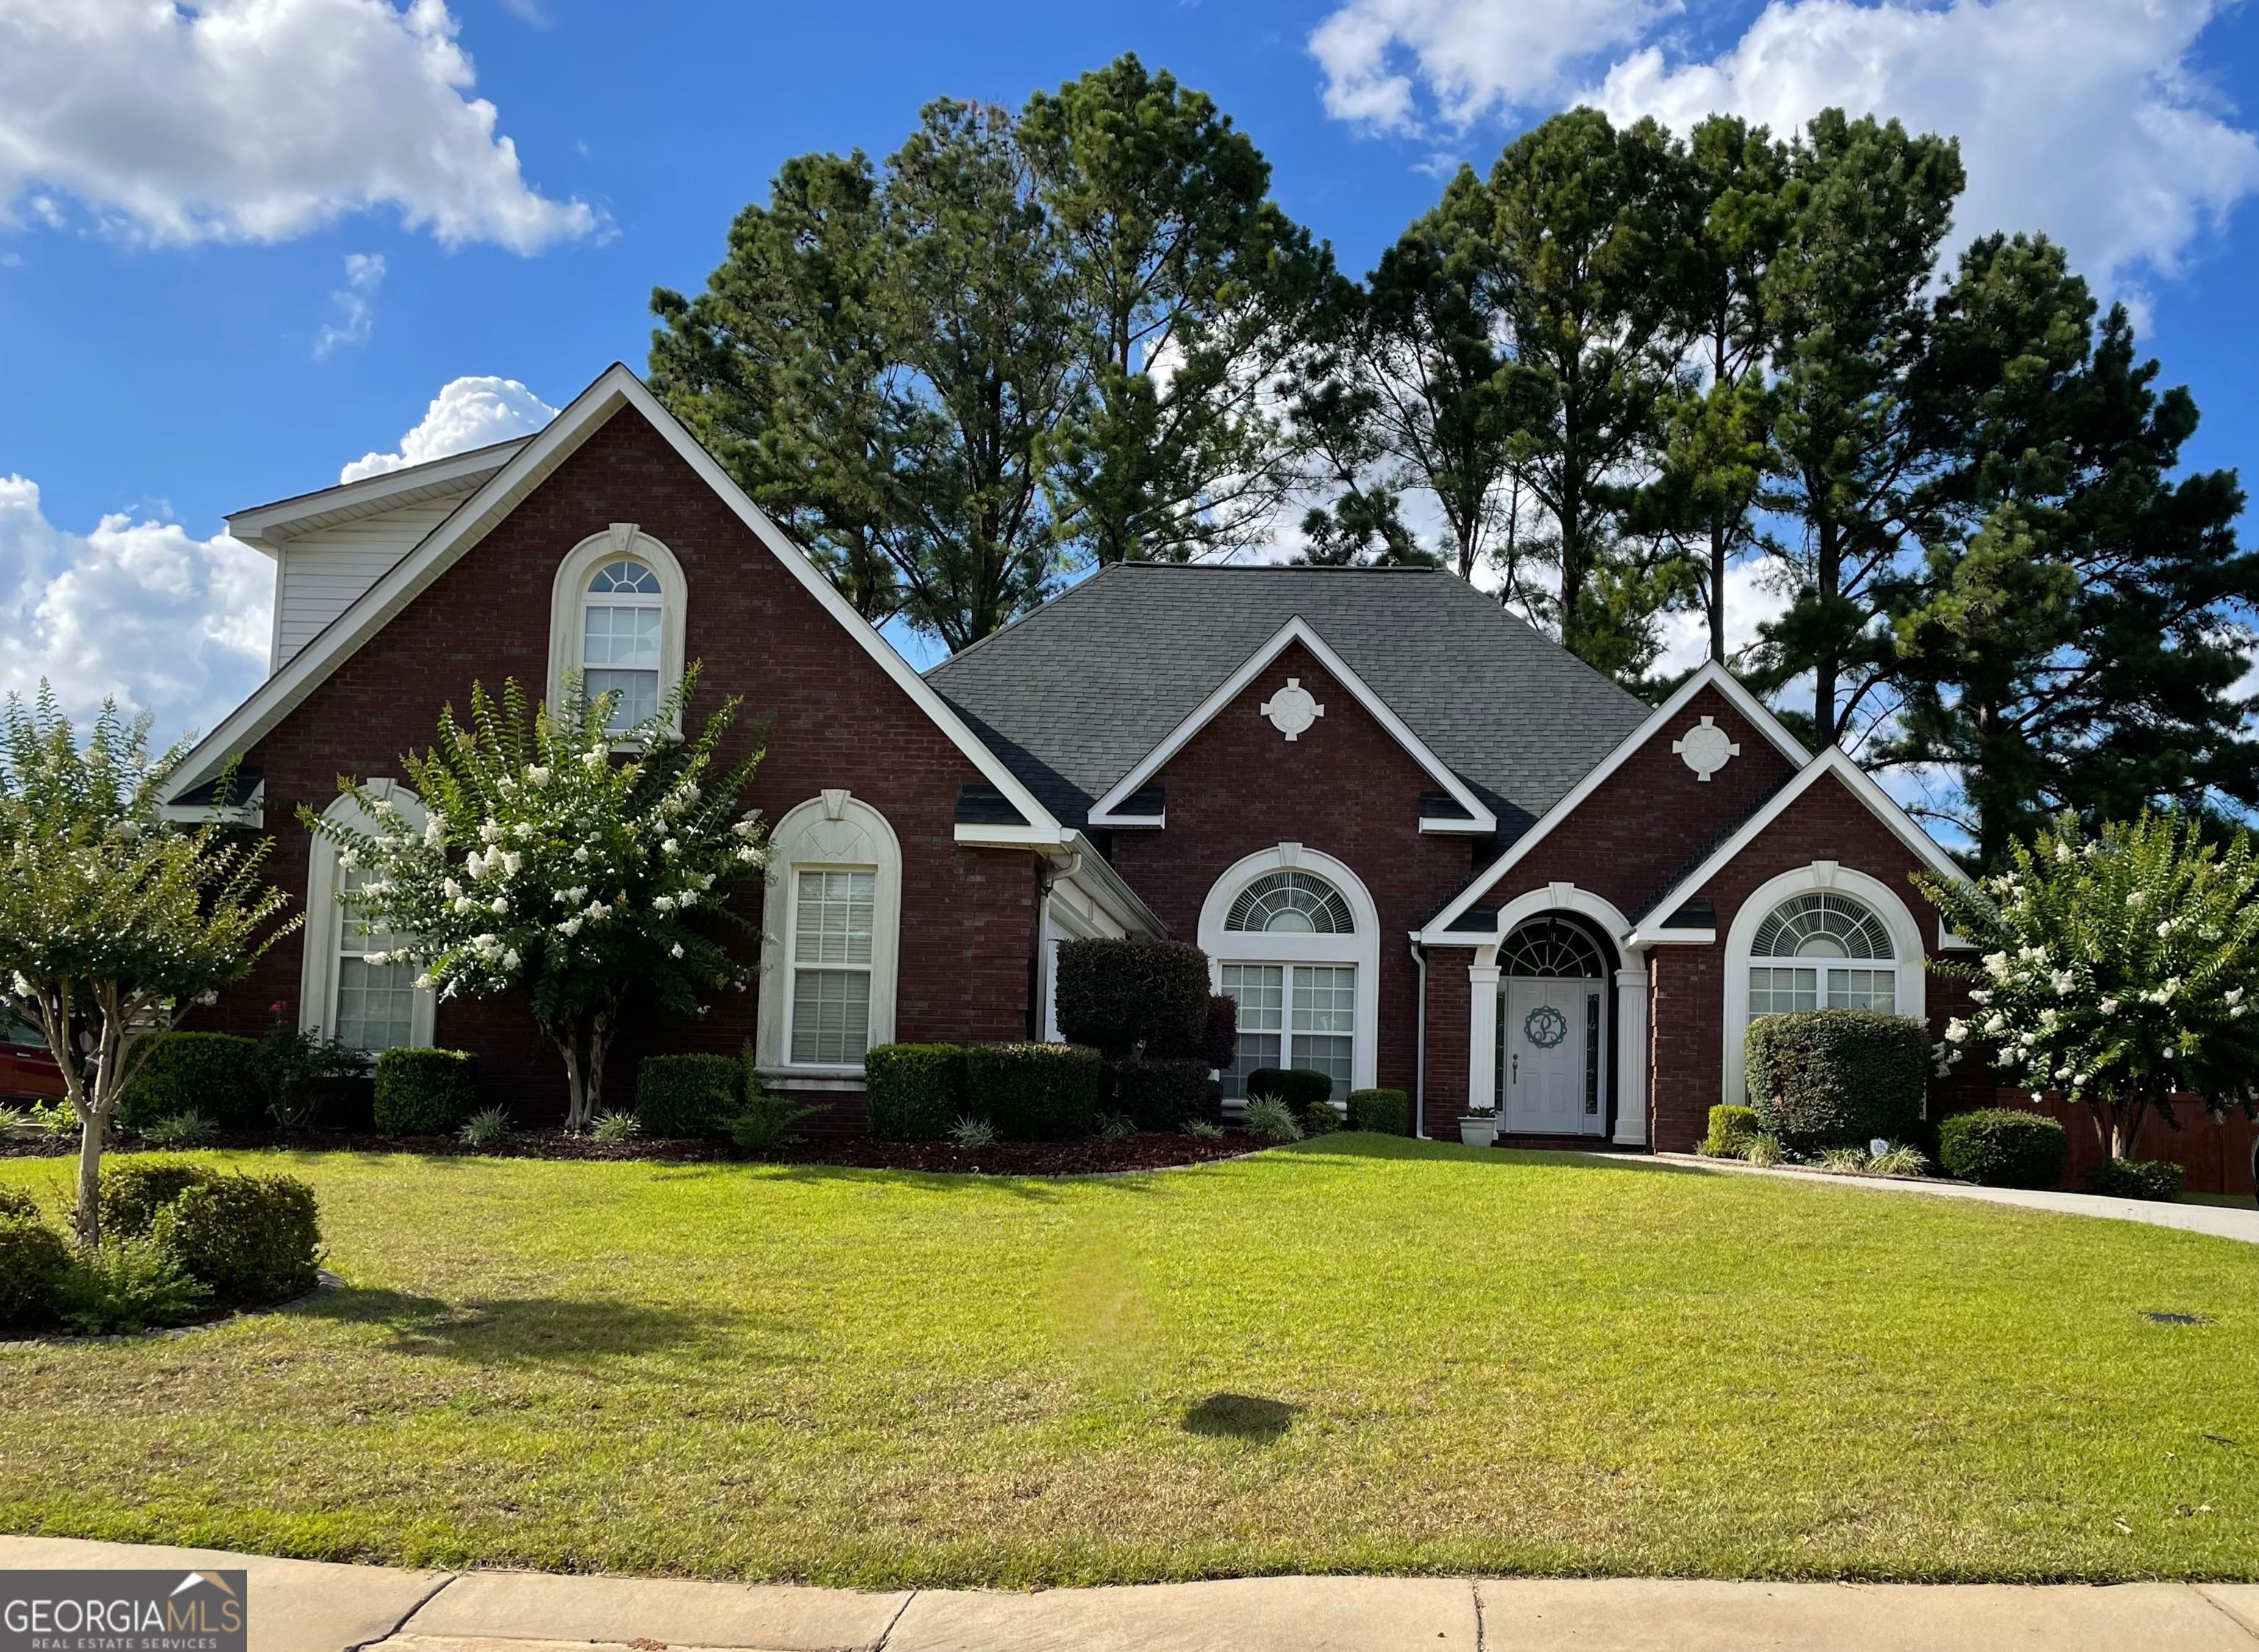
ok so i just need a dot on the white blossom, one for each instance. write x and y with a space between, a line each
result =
511 863
662 903
2063 983
2137 899
509 960
571 926
498 905
348 859
1996 1022
1956 1031
580 856
537 776
464 905
1996 966
490 833
749 855
672 846
687 898
2232 995
2108 1007
378 960
380 807
675 951
435 831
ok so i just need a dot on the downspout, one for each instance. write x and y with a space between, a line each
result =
1420 1051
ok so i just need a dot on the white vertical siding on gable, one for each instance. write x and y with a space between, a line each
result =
322 573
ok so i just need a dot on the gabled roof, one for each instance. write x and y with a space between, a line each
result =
523 470
1074 695
270 527
1465 812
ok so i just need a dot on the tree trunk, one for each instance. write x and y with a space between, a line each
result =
1718 591
584 1048
86 1221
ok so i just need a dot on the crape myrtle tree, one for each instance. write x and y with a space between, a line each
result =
552 863
113 921
2118 969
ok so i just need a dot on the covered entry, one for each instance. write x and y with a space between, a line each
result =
1552 1076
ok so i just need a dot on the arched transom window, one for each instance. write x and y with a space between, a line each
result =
1546 949
620 638
1290 903
1844 957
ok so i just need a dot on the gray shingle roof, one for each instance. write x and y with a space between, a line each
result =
1073 695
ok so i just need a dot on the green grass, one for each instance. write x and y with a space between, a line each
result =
1358 1354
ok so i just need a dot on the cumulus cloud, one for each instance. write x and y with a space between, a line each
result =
1753 594
467 413
258 120
356 302
165 622
2085 118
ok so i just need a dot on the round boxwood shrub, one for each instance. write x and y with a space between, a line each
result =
1382 1112
1116 994
215 1074
1033 1092
914 1092
17 1201
1837 1077
425 1092
1297 1086
1220 1048
685 1095
132 1193
2155 1178
251 1238
2003 1147
1320 1119
34 1261
1731 1129
1167 1095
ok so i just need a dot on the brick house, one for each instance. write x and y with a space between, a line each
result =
1425 847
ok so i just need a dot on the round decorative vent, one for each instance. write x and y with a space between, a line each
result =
1706 749
1292 710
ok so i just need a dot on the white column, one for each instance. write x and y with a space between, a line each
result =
1482 1030
1631 1056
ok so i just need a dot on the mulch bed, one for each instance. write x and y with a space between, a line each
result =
1089 1156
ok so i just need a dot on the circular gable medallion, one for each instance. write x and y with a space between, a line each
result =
1545 1026
1706 748
1292 710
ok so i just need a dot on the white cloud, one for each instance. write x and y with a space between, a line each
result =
356 301
1753 594
467 413
165 624
258 120
2085 118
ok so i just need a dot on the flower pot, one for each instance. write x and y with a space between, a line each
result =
1478 1130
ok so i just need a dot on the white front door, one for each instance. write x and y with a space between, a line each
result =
1543 1034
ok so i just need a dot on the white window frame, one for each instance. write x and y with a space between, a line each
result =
833 831
324 934
1361 947
1909 961
568 604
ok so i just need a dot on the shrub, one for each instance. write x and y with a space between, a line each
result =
1826 1078
133 1192
2003 1147
1269 1117
1764 1149
615 1127
1382 1112
251 1238
1899 1160
484 1128
913 1091
1165 1095
18 1202
33 1261
2156 1178
1731 1129
128 1283
765 1124
1220 1048
1203 1130
1320 1119
1115 1125
183 1130
425 1092
215 1074
973 1133
685 1095
309 1079
1034 1092
1297 1086
1114 995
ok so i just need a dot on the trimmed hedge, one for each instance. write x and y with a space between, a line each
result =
34 1261
1116 994
1033 1092
17 1201
2004 1147
250 1238
1731 1129
2156 1178
1837 1077
685 1095
914 1092
215 1074
1320 1119
1382 1112
134 1192
424 1091
1220 1048
1167 1095
1297 1086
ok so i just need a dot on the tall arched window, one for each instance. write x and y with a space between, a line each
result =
832 935
1296 944
1834 953
344 990
616 617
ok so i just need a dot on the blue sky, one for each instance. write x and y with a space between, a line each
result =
246 246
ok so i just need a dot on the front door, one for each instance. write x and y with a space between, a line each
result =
1542 1088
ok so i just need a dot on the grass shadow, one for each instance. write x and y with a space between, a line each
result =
540 1329
1366 1144
1241 1417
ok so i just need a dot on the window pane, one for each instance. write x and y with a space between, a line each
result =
637 691
830 1015
833 925
1329 1055
621 636
1256 1052
1260 991
1776 991
1325 999
1864 989
374 1003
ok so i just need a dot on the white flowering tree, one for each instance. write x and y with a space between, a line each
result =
2117 968
113 921
592 870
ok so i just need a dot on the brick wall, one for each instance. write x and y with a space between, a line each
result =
836 719
2216 1156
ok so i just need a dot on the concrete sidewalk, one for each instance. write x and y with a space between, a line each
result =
299 1605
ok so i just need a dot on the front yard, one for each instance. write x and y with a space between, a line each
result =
1357 1353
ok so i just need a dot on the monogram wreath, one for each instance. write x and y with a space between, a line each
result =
1545 1026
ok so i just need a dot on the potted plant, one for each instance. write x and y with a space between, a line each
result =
1478 1128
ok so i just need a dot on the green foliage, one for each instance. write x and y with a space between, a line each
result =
207 1072
973 1134
1899 1159
766 1122
1162 1095
1115 994
1115 1126
2158 1180
913 1091
615 1127
2000 1147
19 1201
1320 1119
129 1282
425 1092
1730 1128
1764 1149
1034 1092
684 1095
1220 1045
2118 968
1272 1118
1829 1077
311 1080
536 862
1382 1112
484 1128
252 1239
33 1262
134 1192
182 1129
1298 1087
1203 1130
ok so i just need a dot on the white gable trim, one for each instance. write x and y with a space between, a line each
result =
1479 817
1879 803
526 469
269 527
1712 675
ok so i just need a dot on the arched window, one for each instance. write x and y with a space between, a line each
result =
345 992
1290 903
1850 951
832 923
616 617
1546 949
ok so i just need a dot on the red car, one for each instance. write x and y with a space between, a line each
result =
27 1071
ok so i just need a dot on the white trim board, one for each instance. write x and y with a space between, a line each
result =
1478 818
1711 675
526 469
271 526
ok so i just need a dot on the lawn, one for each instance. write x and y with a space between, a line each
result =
1358 1354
